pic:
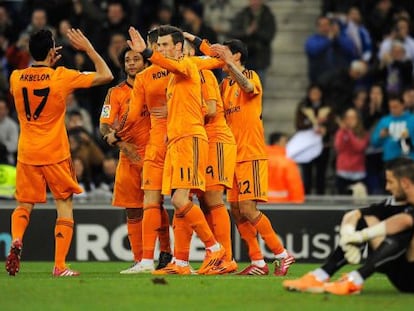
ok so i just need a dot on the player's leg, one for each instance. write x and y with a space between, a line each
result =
62 183
386 258
128 194
30 189
314 280
156 220
221 227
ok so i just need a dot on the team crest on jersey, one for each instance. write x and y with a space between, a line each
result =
106 111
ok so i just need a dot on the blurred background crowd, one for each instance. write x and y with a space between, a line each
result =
360 97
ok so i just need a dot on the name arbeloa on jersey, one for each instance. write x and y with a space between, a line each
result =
35 77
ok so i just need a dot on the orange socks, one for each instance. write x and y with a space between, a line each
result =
249 234
151 224
134 227
264 227
221 228
63 238
182 238
164 232
194 217
19 221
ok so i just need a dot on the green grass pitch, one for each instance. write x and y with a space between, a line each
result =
101 287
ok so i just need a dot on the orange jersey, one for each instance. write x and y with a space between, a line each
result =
216 127
243 113
115 111
39 94
184 103
153 82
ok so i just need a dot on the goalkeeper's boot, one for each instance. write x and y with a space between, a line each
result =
138 267
307 283
211 260
224 267
65 272
282 265
173 268
163 260
255 270
344 286
13 259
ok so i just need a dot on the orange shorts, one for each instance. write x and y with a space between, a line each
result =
220 165
31 181
185 165
153 167
127 188
250 182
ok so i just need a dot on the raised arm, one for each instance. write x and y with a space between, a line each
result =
80 42
224 53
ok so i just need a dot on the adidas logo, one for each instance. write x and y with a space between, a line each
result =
59 235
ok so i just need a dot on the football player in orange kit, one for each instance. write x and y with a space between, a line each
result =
187 148
39 94
127 188
220 166
149 92
242 97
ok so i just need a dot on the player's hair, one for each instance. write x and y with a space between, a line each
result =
275 137
121 57
40 44
401 168
152 35
237 46
176 33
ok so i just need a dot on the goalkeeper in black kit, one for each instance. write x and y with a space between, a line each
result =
387 228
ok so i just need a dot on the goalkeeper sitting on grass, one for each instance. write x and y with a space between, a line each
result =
387 227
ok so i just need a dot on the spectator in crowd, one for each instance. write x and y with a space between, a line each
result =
351 141
395 132
165 16
376 106
116 22
396 70
401 32
7 27
255 25
86 15
62 40
193 23
359 100
313 112
356 31
327 49
408 98
338 86
106 179
117 43
76 116
285 181
83 179
380 20
218 14
375 109
38 22
17 54
9 133
83 146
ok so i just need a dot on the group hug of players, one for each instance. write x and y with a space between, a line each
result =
181 134
186 137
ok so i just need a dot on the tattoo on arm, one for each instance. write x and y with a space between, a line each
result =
240 78
104 128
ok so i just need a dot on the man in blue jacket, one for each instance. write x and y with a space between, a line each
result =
395 132
328 49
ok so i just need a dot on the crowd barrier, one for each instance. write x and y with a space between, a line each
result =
309 231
